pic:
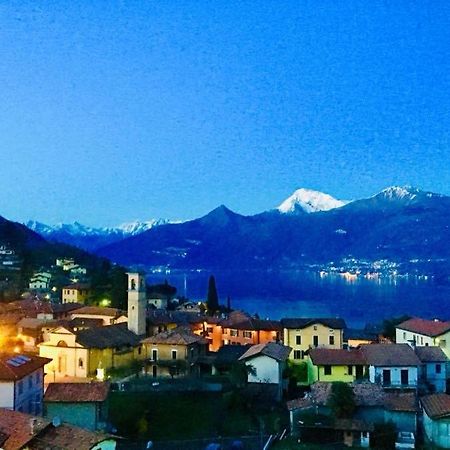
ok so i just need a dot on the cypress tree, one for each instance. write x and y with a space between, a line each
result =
212 301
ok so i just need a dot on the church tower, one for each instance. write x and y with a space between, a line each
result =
136 303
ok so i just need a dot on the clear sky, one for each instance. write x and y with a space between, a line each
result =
120 110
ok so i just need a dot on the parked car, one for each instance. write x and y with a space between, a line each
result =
405 439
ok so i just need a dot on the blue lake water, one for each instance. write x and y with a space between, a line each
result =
276 294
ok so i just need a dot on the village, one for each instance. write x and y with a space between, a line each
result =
85 376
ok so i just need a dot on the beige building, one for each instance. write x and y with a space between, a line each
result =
109 316
304 334
174 352
76 293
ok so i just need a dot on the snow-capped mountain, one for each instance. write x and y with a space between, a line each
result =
404 193
91 238
309 201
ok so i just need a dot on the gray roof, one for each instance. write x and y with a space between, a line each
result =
335 323
431 354
390 355
116 335
271 349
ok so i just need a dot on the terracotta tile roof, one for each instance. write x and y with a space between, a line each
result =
39 434
431 354
326 356
161 317
35 324
271 349
251 323
436 405
77 286
14 366
402 402
84 322
430 328
109 336
366 395
390 355
77 392
334 323
177 336
99 311
61 308
20 428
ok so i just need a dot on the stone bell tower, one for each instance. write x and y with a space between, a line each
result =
136 303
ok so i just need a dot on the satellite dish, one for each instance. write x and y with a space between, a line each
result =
56 421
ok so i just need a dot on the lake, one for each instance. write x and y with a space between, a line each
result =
276 294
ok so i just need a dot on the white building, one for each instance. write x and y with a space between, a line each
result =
267 363
392 365
22 382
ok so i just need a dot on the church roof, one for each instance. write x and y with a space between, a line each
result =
109 336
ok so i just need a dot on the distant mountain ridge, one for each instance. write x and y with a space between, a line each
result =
399 223
90 238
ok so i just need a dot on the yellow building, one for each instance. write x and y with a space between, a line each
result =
76 293
336 365
304 334
80 353
174 352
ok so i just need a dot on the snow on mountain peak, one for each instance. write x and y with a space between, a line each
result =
309 201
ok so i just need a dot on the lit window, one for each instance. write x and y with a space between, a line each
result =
248 334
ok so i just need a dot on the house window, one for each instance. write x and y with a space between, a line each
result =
298 340
248 334
421 340
174 354
316 341
327 370
80 363
438 368
298 354
331 340
315 327
155 355
350 370
234 333
404 335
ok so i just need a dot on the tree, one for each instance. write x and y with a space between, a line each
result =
342 400
389 326
212 301
383 436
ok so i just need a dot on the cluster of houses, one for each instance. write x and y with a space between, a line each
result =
43 282
69 350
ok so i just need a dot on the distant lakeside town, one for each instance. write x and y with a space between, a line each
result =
72 363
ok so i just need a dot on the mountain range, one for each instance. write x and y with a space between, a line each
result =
91 238
398 224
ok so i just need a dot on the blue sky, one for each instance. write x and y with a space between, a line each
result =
114 110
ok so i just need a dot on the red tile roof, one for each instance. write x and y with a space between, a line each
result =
436 405
339 357
20 428
430 328
77 392
98 311
14 366
390 355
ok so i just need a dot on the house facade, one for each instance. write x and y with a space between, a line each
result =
421 332
336 365
267 362
392 365
82 404
433 372
173 352
76 293
436 419
304 334
22 382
